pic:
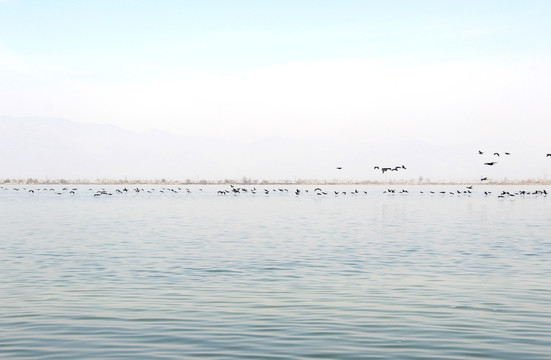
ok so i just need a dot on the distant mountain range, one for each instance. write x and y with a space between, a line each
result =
63 149
55 148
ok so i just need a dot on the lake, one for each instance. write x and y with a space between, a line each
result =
216 272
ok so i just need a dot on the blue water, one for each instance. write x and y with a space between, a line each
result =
164 274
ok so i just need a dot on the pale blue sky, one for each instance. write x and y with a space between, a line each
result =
445 72
115 38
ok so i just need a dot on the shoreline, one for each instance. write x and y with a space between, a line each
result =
20 182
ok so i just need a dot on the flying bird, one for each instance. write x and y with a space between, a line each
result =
491 163
339 167
480 152
497 154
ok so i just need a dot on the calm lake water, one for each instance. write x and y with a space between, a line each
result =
161 274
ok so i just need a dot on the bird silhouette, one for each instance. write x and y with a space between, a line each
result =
491 163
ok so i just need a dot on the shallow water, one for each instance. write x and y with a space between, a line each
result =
198 274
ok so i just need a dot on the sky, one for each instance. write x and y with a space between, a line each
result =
470 73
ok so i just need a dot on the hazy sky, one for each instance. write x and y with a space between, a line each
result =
445 72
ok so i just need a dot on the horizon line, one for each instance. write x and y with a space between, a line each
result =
246 181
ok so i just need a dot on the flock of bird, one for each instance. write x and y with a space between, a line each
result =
480 152
494 162
100 192
235 190
490 163
317 191
385 169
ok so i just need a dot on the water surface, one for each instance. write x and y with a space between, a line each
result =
162 274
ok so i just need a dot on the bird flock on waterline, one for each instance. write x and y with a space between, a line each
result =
267 191
466 190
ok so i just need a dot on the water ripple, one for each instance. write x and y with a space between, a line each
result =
274 278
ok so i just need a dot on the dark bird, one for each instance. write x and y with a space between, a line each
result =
480 152
497 154
376 167
339 167
484 179
548 155
491 163
507 153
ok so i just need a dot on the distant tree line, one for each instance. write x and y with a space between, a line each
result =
250 181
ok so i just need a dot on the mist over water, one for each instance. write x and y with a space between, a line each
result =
161 274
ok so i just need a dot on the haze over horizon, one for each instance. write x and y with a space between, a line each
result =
277 90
